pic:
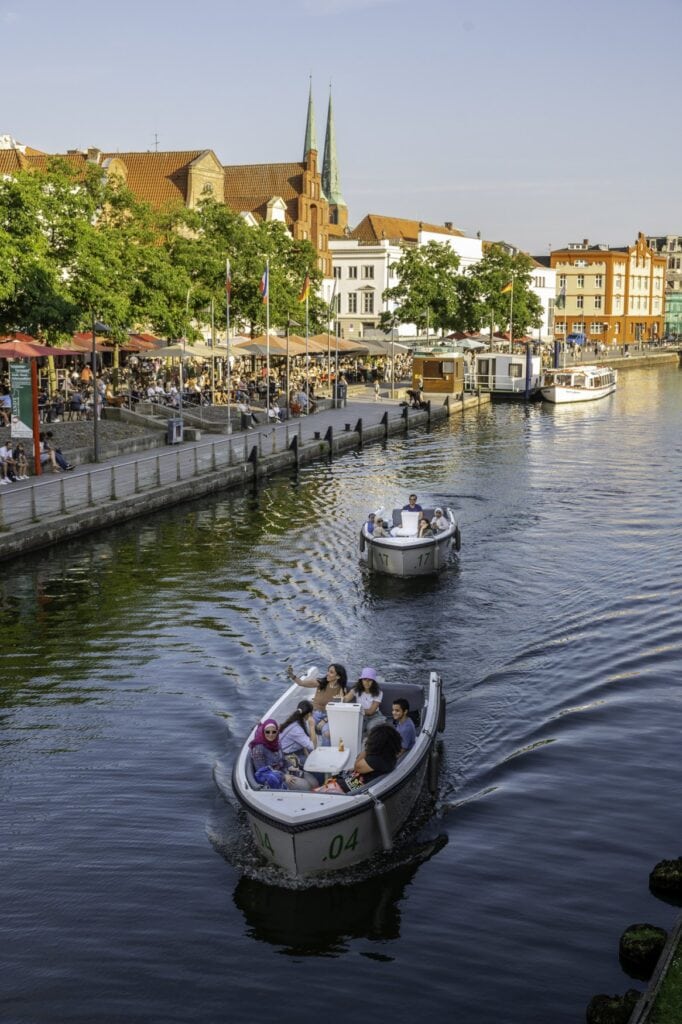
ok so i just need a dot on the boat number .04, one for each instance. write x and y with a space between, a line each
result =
340 843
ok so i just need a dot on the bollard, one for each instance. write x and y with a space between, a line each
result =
348 428
318 435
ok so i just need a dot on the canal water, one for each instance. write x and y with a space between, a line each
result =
134 663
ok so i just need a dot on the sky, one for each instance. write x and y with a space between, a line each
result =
536 123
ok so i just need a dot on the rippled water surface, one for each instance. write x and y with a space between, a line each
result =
134 663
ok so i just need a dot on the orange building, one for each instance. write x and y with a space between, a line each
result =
615 296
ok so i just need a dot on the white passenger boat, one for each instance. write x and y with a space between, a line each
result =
579 383
307 833
404 552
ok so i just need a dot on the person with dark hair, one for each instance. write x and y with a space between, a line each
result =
400 712
331 687
297 734
424 526
412 505
368 695
380 756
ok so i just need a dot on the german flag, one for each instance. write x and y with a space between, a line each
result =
507 288
305 291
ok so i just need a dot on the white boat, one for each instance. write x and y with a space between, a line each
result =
307 833
505 374
579 384
404 552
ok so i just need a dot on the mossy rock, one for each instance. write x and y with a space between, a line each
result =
640 947
612 1009
666 878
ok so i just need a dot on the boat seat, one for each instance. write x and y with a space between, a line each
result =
413 694
251 773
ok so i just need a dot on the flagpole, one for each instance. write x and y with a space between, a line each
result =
228 291
267 340
511 317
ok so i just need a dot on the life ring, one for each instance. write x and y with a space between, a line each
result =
442 712
458 539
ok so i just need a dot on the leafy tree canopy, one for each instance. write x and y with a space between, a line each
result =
490 276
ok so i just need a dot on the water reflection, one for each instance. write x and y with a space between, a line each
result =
314 921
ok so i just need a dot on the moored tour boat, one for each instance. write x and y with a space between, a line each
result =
579 384
404 552
308 833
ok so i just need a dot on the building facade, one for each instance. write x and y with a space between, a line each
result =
612 295
670 246
364 268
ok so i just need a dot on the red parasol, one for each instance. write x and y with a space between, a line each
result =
22 346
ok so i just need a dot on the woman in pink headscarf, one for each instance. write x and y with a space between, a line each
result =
269 761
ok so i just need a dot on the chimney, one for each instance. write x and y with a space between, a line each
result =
94 155
586 242
448 225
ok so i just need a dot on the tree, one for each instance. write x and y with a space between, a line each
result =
493 304
430 290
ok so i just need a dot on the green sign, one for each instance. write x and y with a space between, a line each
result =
22 398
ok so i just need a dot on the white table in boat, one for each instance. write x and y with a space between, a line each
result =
328 760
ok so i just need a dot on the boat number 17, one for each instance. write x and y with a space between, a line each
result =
340 843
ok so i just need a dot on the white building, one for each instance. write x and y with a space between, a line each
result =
362 267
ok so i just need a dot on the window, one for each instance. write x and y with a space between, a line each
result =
515 370
580 281
337 272
368 273
597 302
598 280
352 302
596 327
619 281
352 273
580 301
432 368
368 302
562 280
579 327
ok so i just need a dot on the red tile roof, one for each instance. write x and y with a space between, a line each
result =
376 227
249 188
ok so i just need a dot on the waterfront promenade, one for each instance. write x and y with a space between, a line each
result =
51 508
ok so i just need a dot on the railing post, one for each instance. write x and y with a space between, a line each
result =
293 446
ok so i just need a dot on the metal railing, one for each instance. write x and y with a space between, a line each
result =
66 494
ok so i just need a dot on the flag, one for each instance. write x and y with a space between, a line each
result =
331 301
305 291
507 288
561 299
228 280
264 282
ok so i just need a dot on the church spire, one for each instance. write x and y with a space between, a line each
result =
330 169
310 133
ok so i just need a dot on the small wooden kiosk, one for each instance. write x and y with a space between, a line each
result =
441 370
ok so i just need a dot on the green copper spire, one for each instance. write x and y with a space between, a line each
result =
310 133
330 164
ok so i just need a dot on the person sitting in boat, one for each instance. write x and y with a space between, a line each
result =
332 687
381 529
400 712
371 521
270 765
297 734
439 521
379 757
412 505
368 695
424 527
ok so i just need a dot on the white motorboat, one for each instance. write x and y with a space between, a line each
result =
404 552
579 384
307 833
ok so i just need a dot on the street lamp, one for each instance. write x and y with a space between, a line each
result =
96 402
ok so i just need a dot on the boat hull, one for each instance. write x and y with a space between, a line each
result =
560 396
419 558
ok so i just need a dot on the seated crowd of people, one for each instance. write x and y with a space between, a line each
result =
278 751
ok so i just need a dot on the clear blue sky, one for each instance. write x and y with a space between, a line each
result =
539 123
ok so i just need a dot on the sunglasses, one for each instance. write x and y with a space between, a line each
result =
270 732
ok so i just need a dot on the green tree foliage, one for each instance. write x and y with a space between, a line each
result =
489 277
430 289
